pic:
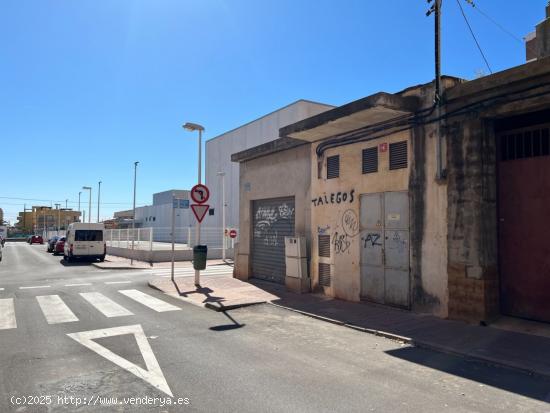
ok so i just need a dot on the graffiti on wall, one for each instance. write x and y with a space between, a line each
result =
323 230
341 243
266 219
334 198
371 239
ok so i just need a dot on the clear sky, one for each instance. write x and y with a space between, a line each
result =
87 87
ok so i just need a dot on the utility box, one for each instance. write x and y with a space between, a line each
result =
297 277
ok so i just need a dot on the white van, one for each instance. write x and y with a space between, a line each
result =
85 241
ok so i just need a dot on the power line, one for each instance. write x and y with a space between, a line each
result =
70 202
473 35
501 27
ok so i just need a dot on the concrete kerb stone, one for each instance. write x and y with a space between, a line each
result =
103 266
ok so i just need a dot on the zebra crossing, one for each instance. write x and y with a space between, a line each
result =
56 311
214 270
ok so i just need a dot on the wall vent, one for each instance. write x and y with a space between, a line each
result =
324 245
324 275
370 160
333 166
398 155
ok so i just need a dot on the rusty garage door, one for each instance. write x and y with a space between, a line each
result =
272 220
524 223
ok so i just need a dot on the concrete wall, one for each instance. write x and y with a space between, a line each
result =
282 174
160 216
326 218
220 149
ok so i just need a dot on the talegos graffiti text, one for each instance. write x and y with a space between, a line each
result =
334 198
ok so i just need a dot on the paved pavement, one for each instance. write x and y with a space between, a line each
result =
94 334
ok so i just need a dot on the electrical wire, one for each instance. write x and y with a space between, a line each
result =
473 35
501 27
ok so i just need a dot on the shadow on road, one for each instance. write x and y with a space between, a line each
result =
528 385
80 263
224 327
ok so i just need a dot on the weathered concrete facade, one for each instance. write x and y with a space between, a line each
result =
446 232
282 174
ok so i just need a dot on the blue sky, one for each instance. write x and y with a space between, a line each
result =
89 87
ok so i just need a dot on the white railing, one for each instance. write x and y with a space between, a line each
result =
152 239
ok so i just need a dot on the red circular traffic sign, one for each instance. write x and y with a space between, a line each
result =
200 194
233 233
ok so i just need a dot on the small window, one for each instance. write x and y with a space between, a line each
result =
154 218
398 155
211 211
333 167
370 160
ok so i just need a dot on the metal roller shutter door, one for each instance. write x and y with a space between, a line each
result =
272 220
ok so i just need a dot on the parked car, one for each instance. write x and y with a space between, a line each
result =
59 246
85 240
36 239
51 243
1 248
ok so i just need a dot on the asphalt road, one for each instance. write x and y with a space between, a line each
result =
95 335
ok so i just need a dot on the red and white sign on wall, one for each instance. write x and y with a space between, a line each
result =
200 194
383 147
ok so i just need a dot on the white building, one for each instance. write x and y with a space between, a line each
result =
159 215
220 148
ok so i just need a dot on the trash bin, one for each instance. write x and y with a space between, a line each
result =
199 257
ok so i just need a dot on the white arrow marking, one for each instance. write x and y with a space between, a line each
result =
153 375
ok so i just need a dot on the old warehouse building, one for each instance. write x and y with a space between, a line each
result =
460 235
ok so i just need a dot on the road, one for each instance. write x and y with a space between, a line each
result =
95 335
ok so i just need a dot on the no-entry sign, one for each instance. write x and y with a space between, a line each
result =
199 210
200 193
233 233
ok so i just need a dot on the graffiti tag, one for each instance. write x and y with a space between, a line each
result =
341 243
350 223
334 198
371 239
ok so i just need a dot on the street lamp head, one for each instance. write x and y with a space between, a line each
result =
87 187
193 127
220 173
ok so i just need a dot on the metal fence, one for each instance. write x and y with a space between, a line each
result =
151 239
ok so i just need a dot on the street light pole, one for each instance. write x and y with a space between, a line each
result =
89 188
196 127
58 216
98 198
222 174
79 205
134 219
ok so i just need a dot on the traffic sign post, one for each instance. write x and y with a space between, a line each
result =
200 211
200 195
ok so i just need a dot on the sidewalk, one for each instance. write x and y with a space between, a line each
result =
215 293
524 352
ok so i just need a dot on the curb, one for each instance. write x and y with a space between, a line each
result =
126 267
426 345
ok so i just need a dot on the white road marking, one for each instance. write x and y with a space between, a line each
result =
77 285
117 282
35 286
149 301
55 310
153 375
105 305
1 289
7 314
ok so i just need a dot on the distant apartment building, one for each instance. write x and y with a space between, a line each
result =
45 218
